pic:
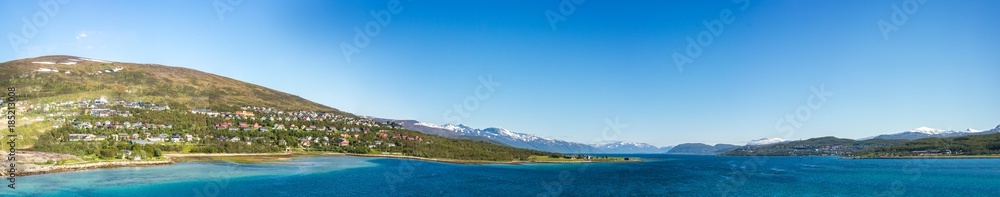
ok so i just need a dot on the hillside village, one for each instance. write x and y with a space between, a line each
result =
100 121
100 110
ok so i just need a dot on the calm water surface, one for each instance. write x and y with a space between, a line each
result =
660 175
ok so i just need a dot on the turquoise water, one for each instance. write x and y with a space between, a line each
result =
660 175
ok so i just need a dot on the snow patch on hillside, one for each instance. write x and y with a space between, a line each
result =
766 141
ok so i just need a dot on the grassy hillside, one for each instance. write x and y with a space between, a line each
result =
814 147
178 87
58 104
972 145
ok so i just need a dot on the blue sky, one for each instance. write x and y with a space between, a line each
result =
605 60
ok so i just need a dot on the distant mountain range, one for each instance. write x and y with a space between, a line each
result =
976 144
524 140
630 147
529 141
926 132
54 77
702 149
969 141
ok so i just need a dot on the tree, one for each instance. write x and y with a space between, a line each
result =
107 153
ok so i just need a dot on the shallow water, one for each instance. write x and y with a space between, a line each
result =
660 175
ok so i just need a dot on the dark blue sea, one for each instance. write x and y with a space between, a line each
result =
658 175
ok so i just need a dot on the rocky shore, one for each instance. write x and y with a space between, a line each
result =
33 169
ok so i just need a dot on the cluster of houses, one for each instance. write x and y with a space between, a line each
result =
326 141
308 141
248 140
932 152
21 106
244 126
105 112
99 105
273 115
839 149
136 138
400 136
107 124
246 119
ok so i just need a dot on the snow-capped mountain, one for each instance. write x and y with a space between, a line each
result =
765 141
926 132
930 131
524 140
702 149
630 147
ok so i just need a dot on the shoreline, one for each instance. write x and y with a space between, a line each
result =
171 158
458 161
934 157
34 169
184 155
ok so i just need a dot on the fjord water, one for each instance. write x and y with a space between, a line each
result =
659 175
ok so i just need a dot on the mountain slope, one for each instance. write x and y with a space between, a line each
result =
925 132
59 78
625 147
524 140
765 141
987 143
701 149
499 135
814 146
64 96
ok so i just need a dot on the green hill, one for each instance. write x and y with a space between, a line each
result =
972 145
102 110
701 149
814 147
181 88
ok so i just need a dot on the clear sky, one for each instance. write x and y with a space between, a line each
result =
563 74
